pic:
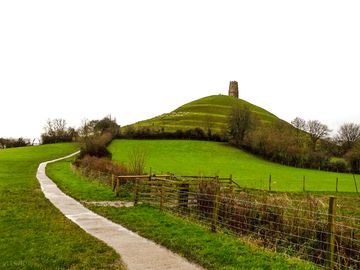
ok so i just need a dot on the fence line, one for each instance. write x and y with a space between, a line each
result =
312 232
315 229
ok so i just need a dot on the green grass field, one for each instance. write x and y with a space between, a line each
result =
197 243
184 157
33 233
210 111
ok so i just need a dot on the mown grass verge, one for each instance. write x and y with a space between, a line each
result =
213 251
33 233
82 188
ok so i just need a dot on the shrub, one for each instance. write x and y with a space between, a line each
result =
338 165
137 158
147 133
96 146
92 163
353 157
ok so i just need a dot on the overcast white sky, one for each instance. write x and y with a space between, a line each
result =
138 59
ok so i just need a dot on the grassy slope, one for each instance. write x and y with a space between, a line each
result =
33 233
211 158
214 251
81 188
214 109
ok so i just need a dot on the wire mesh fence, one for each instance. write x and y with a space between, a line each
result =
319 228
308 227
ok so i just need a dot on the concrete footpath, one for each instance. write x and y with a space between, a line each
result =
136 252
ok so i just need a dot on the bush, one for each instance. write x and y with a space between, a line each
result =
189 134
338 165
96 146
137 159
353 157
318 160
95 150
195 134
91 163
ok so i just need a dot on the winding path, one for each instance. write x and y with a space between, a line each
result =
137 253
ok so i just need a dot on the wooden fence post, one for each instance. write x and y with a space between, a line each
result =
337 183
215 205
136 192
304 183
352 237
330 263
117 186
270 182
183 195
355 184
161 195
112 182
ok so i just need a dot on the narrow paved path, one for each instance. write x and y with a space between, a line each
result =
136 252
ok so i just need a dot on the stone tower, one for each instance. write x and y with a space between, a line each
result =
233 89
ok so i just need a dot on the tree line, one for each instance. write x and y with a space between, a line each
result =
93 135
306 145
197 133
11 142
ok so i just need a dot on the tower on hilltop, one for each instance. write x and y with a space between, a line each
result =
234 89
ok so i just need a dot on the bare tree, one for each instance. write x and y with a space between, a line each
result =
347 135
316 131
240 122
59 126
55 127
48 128
86 129
107 124
56 131
98 127
299 123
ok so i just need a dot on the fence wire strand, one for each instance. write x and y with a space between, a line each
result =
296 226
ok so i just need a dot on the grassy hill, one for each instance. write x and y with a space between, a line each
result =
185 157
211 111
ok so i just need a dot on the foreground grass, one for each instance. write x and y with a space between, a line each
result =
184 157
213 251
33 233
